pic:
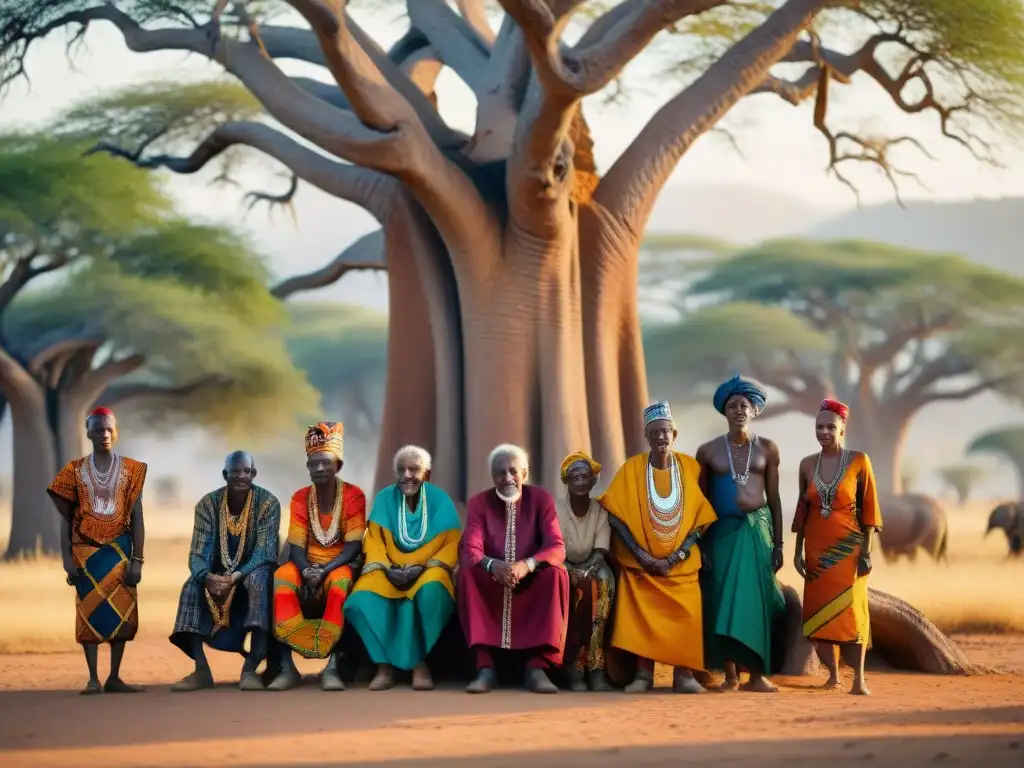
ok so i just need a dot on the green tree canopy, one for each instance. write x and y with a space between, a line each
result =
1006 443
342 349
961 478
916 328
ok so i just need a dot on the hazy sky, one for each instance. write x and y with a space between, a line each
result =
782 152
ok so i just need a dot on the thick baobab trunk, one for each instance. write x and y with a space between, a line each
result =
524 370
615 368
34 524
69 425
882 437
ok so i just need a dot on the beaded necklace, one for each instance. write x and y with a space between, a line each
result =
221 614
666 514
330 537
827 491
404 539
744 478
102 486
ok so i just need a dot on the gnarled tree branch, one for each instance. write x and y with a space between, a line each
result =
475 14
458 46
118 394
365 253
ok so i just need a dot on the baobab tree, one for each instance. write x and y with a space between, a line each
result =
886 329
512 262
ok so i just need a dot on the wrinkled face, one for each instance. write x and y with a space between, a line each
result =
661 435
411 474
580 480
829 429
322 467
239 472
738 411
509 473
102 432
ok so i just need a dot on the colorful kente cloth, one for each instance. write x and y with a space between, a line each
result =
835 597
311 624
399 627
533 616
250 603
743 601
106 609
658 617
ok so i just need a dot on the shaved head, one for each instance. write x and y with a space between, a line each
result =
239 471
239 457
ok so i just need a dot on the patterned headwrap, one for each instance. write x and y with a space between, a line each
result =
657 412
842 410
738 385
327 436
579 457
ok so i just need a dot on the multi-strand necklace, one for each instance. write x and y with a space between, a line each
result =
827 491
236 526
666 513
740 479
405 540
510 557
102 486
330 537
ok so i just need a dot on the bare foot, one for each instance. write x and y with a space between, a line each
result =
832 684
639 685
859 688
92 687
384 679
760 684
422 679
117 685
728 685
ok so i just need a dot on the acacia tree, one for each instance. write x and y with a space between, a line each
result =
511 259
961 479
886 329
1005 442
141 309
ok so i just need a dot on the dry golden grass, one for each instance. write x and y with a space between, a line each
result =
977 592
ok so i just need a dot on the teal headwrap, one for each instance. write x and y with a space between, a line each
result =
738 385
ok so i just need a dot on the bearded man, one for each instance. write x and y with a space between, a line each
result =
102 535
231 562
657 513
406 592
742 597
513 589
325 533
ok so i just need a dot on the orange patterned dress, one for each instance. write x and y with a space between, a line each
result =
101 544
314 637
835 597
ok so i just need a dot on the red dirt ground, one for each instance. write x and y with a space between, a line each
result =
910 720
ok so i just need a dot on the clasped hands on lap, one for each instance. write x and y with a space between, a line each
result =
219 585
509 574
404 576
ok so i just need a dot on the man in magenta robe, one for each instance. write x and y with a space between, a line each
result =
513 589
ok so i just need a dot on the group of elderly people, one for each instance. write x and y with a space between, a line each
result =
685 548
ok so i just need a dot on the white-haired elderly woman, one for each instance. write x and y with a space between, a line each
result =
405 596
512 584
587 536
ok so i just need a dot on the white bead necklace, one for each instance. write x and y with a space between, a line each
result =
407 541
666 513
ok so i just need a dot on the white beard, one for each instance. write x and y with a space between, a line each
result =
510 499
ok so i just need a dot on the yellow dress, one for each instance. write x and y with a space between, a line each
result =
658 617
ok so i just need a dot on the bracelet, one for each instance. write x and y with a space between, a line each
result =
489 564
531 563
138 559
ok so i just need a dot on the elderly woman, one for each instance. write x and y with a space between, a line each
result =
587 537
513 589
837 513
406 594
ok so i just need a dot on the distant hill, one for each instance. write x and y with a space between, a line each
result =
990 232
737 214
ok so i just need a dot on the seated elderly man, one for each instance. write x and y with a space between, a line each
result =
406 595
587 536
233 553
513 589
325 537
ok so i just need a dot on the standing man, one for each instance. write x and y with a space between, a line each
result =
233 554
657 513
325 533
102 533
513 589
742 597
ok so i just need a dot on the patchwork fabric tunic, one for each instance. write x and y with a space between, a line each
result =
314 636
399 627
248 605
101 544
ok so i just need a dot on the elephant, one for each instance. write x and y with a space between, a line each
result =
911 522
1009 518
